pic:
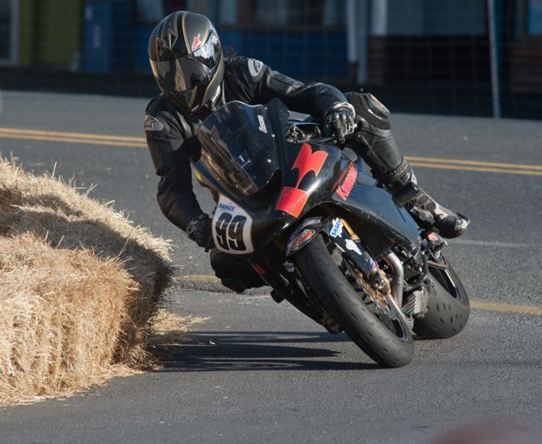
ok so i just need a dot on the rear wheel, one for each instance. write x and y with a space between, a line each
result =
379 331
448 307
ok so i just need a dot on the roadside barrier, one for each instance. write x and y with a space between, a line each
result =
79 286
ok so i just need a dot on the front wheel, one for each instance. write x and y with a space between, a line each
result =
448 307
383 336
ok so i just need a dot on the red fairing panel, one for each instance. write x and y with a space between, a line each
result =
308 161
292 200
346 186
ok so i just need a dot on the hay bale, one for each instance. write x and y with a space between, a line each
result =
79 285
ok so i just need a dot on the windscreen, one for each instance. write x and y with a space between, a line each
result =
239 144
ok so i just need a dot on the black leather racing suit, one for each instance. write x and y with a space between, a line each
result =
171 136
170 133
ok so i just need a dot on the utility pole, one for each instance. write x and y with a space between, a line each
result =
494 59
357 28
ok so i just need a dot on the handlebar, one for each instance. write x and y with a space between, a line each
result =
333 140
323 139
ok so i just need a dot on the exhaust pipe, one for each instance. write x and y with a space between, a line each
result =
397 284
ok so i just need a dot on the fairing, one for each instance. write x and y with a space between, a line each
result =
279 184
376 215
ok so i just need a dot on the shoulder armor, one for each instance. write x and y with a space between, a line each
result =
153 124
255 68
159 115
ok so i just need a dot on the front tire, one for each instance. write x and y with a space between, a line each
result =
448 307
329 285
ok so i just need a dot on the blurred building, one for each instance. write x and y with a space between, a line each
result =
418 55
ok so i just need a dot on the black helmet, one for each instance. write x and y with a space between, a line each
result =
186 59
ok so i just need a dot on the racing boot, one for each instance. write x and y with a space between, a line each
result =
426 211
374 141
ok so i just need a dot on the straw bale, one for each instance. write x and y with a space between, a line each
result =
79 285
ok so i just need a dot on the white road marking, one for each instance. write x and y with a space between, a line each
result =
492 244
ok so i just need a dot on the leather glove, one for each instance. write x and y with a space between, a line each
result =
200 231
339 121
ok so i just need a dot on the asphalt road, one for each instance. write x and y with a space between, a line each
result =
256 371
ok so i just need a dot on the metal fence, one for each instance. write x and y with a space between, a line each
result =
474 57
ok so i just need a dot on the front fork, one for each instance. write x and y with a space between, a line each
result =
341 234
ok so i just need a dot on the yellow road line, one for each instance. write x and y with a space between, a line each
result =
82 136
477 304
444 166
475 163
506 308
198 278
74 140
139 142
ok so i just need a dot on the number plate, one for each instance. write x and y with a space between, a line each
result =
232 228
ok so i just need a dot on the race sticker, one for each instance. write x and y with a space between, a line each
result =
153 124
352 246
232 228
337 228
254 67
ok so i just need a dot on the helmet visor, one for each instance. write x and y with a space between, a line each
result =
179 75
209 54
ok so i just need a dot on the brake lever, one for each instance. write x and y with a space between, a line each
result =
331 139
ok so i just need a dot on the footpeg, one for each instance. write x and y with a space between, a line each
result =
436 242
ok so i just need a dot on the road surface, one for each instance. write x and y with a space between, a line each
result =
257 371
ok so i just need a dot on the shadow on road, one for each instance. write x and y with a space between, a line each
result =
234 351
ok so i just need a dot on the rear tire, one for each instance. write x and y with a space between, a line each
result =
329 285
448 307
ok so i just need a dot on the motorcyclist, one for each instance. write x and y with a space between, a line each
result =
195 77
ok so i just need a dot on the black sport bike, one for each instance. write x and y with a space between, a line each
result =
324 234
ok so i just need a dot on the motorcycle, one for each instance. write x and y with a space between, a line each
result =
318 228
